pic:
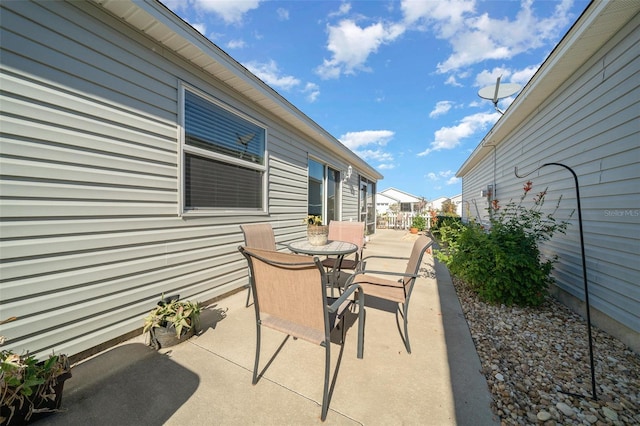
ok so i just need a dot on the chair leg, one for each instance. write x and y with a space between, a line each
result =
361 319
246 305
255 365
405 315
325 392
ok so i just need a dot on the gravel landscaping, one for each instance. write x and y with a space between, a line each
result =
534 359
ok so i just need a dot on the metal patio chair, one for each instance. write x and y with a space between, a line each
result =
260 236
351 232
290 297
398 291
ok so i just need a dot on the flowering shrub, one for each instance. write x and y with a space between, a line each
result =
504 264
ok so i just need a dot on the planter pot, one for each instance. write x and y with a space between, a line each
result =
164 337
317 235
413 230
35 407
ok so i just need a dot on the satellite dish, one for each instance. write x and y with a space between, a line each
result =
244 141
497 92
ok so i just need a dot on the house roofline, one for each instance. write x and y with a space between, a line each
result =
403 192
160 24
595 26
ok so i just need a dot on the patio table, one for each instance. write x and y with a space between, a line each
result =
333 248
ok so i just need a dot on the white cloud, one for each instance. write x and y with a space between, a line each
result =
342 10
200 27
441 107
448 16
450 137
368 145
377 155
488 78
451 81
236 44
482 37
283 14
312 91
355 140
270 74
475 38
232 11
523 76
447 175
351 45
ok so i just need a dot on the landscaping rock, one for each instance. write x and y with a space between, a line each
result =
536 362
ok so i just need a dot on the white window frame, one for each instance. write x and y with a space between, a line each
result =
325 187
185 148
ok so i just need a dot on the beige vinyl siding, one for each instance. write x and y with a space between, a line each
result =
91 234
591 125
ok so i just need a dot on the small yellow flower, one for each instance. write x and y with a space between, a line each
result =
313 220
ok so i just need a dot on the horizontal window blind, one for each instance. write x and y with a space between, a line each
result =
215 184
210 181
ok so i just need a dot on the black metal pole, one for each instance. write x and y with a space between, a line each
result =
584 266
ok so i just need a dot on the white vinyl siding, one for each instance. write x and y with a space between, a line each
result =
590 125
90 231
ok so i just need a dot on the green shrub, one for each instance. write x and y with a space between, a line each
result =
503 264
437 222
419 222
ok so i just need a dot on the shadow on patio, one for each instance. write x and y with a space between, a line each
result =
207 380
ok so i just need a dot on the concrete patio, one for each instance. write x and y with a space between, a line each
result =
207 380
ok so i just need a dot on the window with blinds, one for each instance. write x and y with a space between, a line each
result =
223 158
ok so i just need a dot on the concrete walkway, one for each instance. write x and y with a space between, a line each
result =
207 380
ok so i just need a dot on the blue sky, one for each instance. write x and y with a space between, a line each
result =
395 81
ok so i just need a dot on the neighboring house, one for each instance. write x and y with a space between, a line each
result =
406 202
132 148
457 201
580 109
384 203
436 204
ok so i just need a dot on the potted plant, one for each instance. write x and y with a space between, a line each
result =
316 232
419 223
172 321
30 388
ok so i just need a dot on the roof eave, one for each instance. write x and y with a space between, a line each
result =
163 26
595 26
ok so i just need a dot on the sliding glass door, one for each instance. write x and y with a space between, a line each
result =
323 192
368 205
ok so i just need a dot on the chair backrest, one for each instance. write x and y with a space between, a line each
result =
351 232
291 289
259 235
415 260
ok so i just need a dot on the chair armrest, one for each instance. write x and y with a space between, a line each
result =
345 294
363 262
348 284
385 257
